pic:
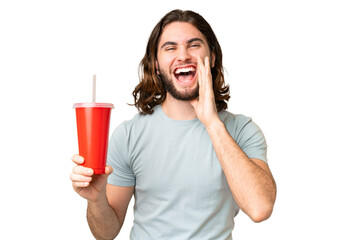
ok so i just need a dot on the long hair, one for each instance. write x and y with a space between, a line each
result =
150 91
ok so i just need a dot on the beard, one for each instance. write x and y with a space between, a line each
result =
169 86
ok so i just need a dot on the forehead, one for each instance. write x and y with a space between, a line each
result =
180 32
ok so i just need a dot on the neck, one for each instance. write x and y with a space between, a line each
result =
177 109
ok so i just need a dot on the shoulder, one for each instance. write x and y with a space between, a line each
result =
136 125
239 124
126 126
247 134
234 120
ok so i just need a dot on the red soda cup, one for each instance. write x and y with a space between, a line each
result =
93 121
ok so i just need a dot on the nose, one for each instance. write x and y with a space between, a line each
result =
183 54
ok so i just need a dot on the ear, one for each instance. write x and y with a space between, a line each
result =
213 59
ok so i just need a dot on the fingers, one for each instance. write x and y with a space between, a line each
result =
80 180
204 73
77 159
200 71
80 176
207 73
204 65
207 63
83 171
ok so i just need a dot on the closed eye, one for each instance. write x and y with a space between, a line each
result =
169 49
169 46
195 45
195 42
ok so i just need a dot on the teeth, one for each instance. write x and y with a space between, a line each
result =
182 70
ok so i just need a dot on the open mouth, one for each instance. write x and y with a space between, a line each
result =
185 74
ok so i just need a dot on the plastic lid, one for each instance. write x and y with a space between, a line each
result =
89 105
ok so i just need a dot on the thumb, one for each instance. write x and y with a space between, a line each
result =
108 170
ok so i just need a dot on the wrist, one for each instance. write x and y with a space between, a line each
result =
101 200
214 124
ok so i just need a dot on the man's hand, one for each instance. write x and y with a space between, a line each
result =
205 107
86 184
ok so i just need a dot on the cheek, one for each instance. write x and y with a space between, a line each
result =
166 62
202 54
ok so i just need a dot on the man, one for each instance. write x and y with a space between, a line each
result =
190 164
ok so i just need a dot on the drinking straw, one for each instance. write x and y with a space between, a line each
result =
94 89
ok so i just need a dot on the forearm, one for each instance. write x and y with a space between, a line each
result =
252 187
102 220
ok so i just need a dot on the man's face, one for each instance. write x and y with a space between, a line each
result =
179 45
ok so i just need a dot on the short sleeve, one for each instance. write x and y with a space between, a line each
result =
118 159
251 140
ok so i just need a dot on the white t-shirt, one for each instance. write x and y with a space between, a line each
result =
180 189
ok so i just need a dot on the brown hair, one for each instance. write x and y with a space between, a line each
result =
150 91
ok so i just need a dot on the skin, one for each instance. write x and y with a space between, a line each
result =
182 53
250 180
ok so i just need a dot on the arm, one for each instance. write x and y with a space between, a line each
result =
250 180
107 216
107 204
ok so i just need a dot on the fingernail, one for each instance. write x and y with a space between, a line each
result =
80 159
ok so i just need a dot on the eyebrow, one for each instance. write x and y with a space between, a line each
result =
188 42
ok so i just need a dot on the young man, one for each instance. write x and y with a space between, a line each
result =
190 164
